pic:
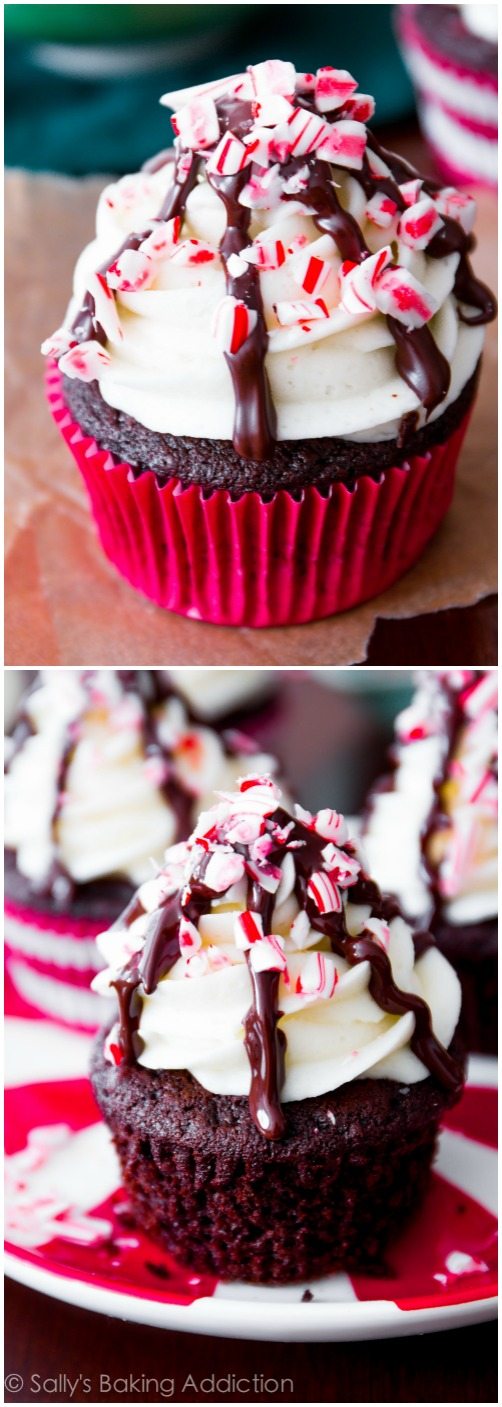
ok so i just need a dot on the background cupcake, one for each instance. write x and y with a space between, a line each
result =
276 1077
451 54
430 831
276 359
105 769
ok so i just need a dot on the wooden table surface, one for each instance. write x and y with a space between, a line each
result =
65 604
46 1340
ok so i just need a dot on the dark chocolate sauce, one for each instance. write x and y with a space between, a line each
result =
255 422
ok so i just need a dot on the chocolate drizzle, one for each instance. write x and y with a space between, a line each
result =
264 1039
418 359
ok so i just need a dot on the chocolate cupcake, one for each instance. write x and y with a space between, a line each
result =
105 770
271 355
451 54
283 1053
430 831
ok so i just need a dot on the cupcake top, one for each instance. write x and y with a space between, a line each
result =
430 831
105 769
265 961
279 276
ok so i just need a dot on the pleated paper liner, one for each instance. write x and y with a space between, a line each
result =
256 563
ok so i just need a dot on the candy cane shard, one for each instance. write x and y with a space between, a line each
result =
197 123
317 979
229 157
458 206
85 361
399 295
419 223
131 272
333 87
289 312
105 307
232 323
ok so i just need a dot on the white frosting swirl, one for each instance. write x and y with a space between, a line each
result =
336 1031
463 850
338 378
113 817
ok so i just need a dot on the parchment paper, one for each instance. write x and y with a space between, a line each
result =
65 604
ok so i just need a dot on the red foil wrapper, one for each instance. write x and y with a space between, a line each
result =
249 562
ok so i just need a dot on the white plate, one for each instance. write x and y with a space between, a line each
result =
444 1265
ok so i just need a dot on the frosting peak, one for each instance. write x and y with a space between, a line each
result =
287 245
299 975
430 834
107 768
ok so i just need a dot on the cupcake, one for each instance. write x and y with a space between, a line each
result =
283 1053
450 52
269 362
105 769
430 831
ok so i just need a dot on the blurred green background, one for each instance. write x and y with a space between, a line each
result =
82 82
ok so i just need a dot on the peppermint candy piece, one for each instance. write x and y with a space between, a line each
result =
419 223
305 82
233 323
298 311
194 251
267 875
331 825
380 931
262 192
344 144
190 939
300 932
381 210
105 307
361 107
297 183
410 191
343 868
273 110
300 135
248 929
245 830
229 157
324 893
481 697
358 281
131 272
377 165
265 254
85 362
400 295
310 269
457 206
317 979
333 87
60 341
267 955
236 266
273 76
112 1049
197 124
224 869
197 965
163 239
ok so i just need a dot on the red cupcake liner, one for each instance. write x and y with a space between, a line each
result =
50 962
256 563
